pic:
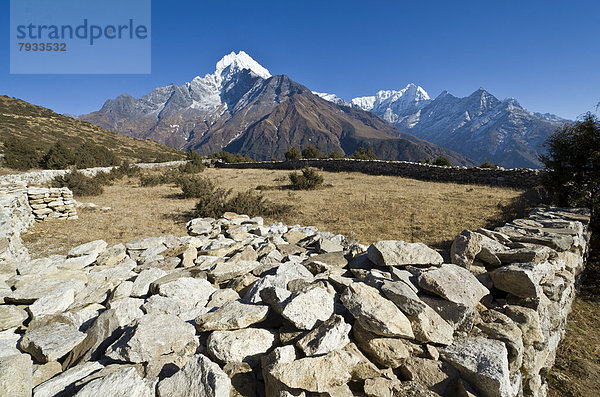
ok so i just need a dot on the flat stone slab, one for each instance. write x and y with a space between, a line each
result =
198 378
231 316
11 316
122 382
243 345
453 283
51 342
400 253
376 313
153 336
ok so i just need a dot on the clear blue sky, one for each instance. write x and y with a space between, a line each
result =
544 53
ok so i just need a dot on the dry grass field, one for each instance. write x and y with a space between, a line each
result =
368 208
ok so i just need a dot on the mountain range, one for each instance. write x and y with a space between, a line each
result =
479 126
242 108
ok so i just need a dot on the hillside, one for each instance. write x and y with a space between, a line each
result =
41 128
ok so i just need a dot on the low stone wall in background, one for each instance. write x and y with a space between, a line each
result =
51 203
518 178
45 176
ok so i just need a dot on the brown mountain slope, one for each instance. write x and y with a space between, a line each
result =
42 127
300 118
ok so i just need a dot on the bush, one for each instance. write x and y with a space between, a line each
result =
215 201
253 204
191 168
90 155
80 184
227 157
442 160
292 154
336 155
151 180
126 169
487 164
164 158
194 163
195 187
307 180
364 153
59 157
311 152
573 162
19 154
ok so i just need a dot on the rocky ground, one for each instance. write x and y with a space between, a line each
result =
240 308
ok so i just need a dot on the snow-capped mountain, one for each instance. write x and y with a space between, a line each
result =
332 98
240 107
479 126
394 106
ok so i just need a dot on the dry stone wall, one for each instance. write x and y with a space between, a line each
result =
15 218
42 177
49 203
519 178
246 309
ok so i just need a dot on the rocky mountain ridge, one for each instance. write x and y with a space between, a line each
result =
241 108
479 126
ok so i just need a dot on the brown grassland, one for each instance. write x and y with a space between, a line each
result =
365 207
368 208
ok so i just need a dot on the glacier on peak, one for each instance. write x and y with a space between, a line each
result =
241 60
410 97
208 93
332 98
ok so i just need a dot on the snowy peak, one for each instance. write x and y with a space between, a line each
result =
394 105
332 98
234 63
410 96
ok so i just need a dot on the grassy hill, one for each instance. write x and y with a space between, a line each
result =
40 129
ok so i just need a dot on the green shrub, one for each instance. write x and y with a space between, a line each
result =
90 155
307 180
487 164
126 169
212 200
191 168
215 201
151 180
292 154
80 184
195 187
311 152
442 160
194 163
573 165
227 157
253 204
59 157
87 155
164 158
365 153
425 161
336 155
20 155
